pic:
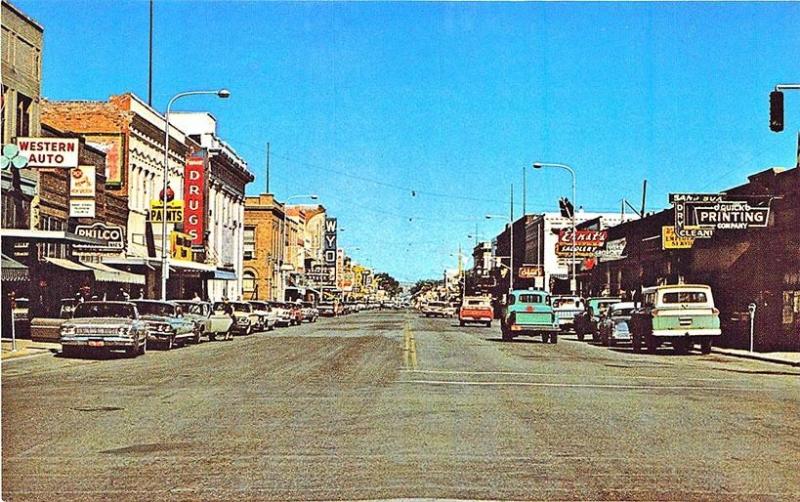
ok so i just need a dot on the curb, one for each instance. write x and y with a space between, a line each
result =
756 357
27 356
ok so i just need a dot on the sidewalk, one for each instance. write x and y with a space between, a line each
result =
27 348
789 358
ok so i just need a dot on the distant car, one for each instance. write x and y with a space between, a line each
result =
245 318
283 313
48 329
680 315
615 324
566 307
225 322
435 309
586 321
166 324
476 309
329 308
267 317
296 310
528 312
104 326
310 312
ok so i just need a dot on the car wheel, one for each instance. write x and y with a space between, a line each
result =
249 331
489 324
705 346
212 337
461 323
68 351
197 334
636 342
580 336
651 343
545 337
554 338
132 351
170 343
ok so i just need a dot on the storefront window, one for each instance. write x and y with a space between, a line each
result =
249 243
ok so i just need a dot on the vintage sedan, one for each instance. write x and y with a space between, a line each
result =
266 316
166 324
586 321
614 326
245 318
283 313
104 326
310 312
206 320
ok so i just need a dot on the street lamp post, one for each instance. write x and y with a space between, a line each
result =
538 165
222 93
283 248
511 249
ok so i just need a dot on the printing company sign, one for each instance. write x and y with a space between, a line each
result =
699 215
49 152
587 243
193 196
113 235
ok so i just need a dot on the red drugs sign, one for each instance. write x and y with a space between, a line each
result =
194 197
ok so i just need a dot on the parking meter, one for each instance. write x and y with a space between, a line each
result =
752 309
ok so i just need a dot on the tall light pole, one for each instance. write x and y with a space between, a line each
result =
222 93
283 248
511 249
538 165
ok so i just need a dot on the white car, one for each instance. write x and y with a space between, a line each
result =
283 313
267 317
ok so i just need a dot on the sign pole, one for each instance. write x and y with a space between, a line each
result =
752 309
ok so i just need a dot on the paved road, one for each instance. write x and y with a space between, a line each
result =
389 405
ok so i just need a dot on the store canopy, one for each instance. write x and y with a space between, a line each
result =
178 265
224 275
12 270
104 273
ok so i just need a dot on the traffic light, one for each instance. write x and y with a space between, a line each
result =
565 206
776 111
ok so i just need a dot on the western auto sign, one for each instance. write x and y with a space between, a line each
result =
699 215
112 235
587 243
194 200
49 152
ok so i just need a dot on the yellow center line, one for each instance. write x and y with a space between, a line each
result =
409 348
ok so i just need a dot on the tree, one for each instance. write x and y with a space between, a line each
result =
388 283
424 284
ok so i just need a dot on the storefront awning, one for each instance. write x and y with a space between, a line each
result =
67 264
134 261
12 270
104 273
224 275
178 265
59 236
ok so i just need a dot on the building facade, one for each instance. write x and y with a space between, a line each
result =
263 249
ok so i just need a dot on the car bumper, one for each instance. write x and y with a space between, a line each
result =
535 328
680 333
475 319
94 342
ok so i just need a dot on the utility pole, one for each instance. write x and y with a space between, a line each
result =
267 166
644 197
150 72
524 190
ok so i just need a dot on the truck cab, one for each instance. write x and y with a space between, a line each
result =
529 312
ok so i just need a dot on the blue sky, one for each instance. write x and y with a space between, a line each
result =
412 120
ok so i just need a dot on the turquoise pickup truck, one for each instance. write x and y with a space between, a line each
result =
528 312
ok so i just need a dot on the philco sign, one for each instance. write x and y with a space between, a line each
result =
587 242
49 152
193 190
112 235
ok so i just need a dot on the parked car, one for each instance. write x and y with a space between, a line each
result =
266 316
329 308
225 322
586 321
245 318
165 323
476 309
680 315
310 312
435 309
566 307
205 319
283 313
528 312
296 312
48 329
614 327
104 326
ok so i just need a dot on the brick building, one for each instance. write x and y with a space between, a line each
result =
263 247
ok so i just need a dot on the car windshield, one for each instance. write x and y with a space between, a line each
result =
530 298
259 306
242 307
477 303
104 309
566 302
604 305
685 297
156 308
622 312
193 308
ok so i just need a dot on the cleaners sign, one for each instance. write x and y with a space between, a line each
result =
49 152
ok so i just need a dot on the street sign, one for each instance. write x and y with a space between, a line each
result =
174 211
671 240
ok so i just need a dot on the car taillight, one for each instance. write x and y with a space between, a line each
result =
715 310
654 312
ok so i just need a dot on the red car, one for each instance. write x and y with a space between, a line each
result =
296 310
476 309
